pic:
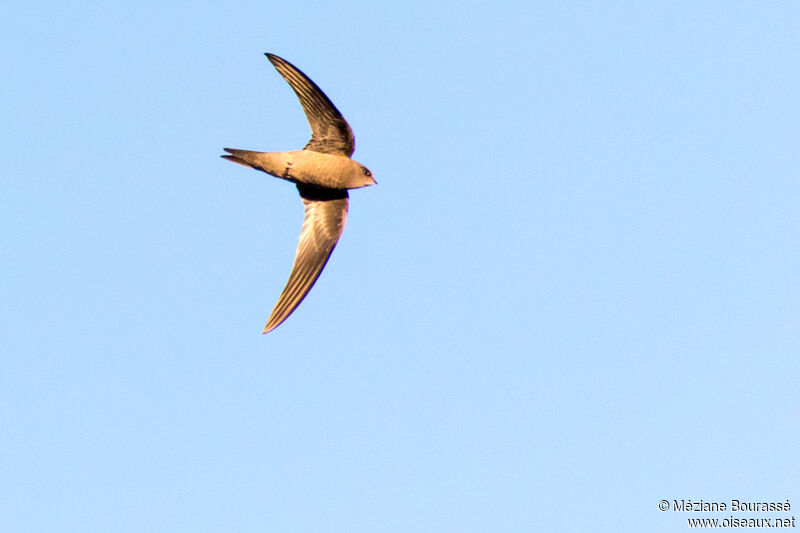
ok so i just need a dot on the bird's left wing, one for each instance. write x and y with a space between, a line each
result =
325 216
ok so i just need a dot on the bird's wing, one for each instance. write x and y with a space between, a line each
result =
330 132
326 213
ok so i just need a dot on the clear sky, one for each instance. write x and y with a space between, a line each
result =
573 293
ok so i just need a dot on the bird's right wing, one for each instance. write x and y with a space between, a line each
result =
330 132
325 216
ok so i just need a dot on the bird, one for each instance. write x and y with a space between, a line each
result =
323 171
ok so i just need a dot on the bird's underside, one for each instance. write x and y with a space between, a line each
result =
322 172
333 171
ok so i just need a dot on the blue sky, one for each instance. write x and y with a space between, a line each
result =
573 293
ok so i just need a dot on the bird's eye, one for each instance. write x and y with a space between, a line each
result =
366 172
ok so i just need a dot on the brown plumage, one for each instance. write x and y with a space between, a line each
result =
322 172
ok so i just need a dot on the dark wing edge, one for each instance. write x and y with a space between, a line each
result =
323 225
330 132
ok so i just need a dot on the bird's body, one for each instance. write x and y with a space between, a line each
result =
323 172
305 166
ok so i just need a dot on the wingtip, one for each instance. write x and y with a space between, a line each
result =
271 324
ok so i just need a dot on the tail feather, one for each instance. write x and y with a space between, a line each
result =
242 157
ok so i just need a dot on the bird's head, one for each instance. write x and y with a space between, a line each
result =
364 177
